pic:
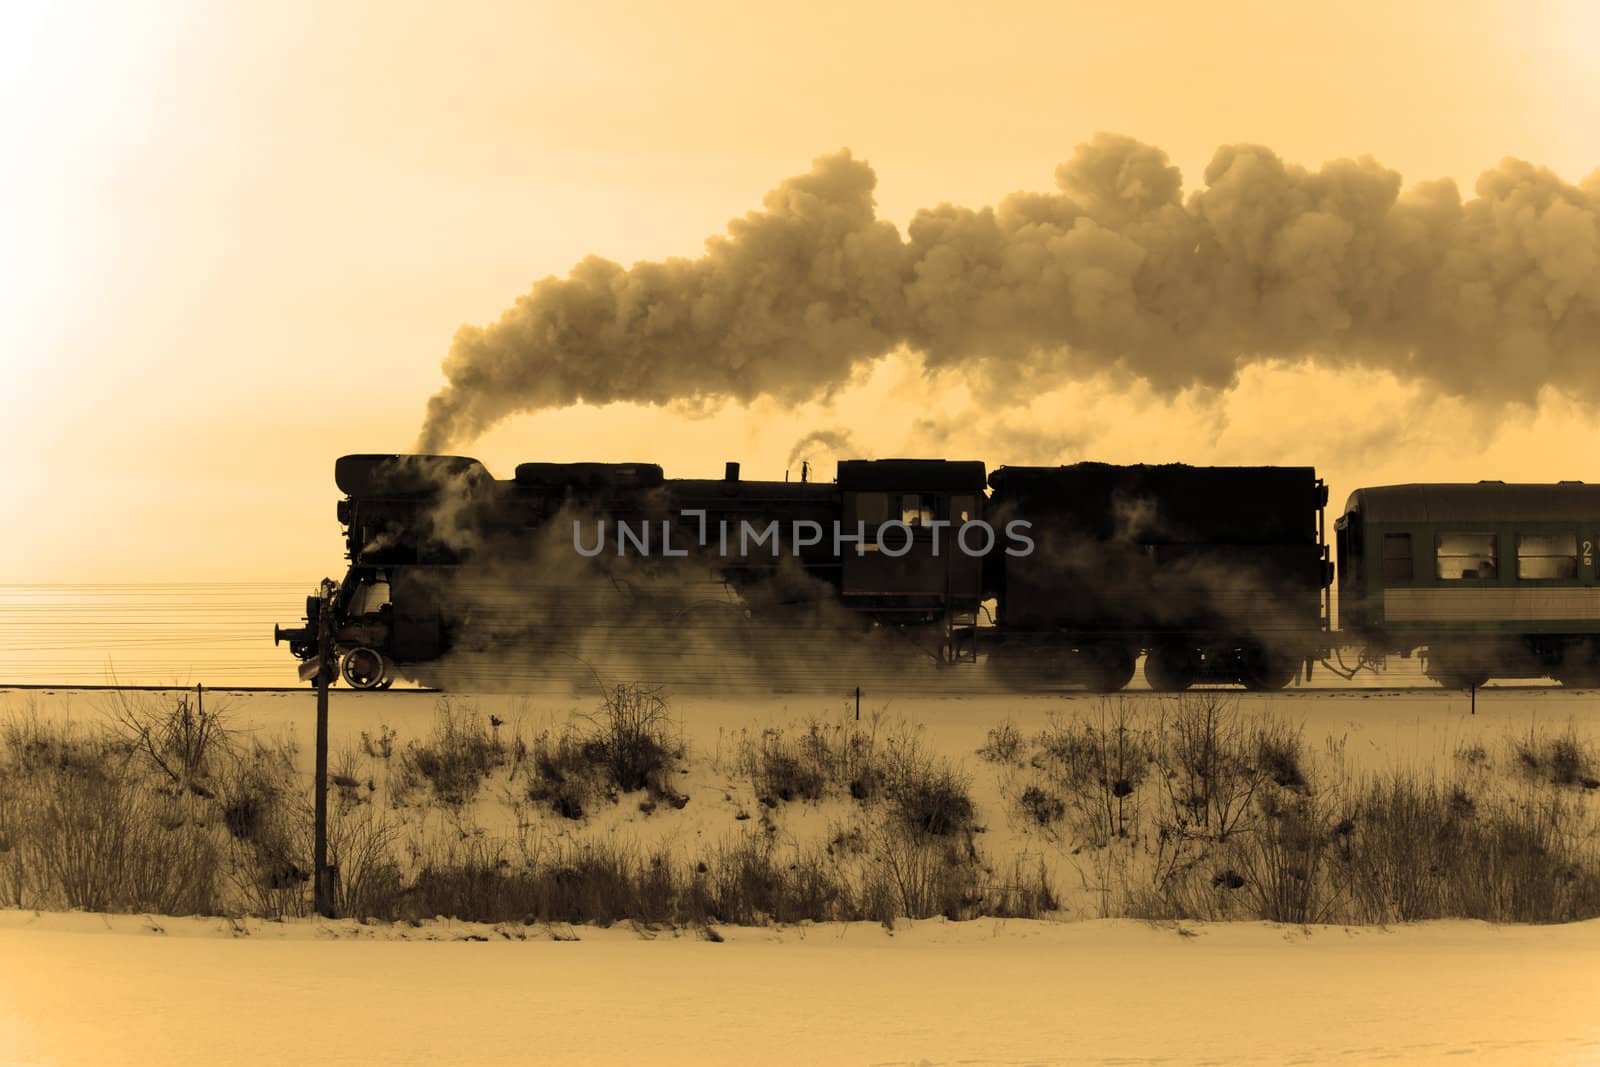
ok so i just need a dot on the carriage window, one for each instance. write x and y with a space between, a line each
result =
1547 556
963 509
1466 555
916 509
1397 557
872 508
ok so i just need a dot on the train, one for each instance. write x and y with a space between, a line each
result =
1048 576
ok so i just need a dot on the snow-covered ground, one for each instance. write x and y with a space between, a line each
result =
1354 732
84 989
77 988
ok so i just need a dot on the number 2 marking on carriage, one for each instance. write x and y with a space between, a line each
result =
1588 553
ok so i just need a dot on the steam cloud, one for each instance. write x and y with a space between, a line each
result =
1492 298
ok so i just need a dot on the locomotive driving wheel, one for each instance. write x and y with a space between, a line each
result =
1170 667
1110 667
364 668
1262 669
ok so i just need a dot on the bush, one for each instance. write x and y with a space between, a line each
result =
930 797
1210 770
1040 807
1561 760
456 758
632 736
80 829
839 757
629 746
268 817
1004 744
1098 768
782 770
183 741
1416 851
1280 755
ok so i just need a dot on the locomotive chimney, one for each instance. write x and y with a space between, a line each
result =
730 473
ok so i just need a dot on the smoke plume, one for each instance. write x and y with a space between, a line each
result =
1491 298
835 443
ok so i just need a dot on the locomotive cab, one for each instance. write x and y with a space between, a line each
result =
912 542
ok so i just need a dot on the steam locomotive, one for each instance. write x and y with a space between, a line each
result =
1048 576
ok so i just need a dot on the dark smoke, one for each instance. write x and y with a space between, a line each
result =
1491 298
837 444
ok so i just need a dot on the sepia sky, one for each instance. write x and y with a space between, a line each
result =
238 239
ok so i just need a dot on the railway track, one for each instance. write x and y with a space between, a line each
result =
951 691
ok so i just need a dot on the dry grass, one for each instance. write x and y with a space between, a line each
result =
630 744
828 758
1245 830
454 760
1558 759
1194 812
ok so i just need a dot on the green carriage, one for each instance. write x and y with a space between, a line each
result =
1486 580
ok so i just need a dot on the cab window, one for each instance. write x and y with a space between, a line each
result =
916 509
872 508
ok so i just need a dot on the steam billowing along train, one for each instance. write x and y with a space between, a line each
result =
1049 575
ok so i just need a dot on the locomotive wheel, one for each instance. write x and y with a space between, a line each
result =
1170 668
1110 668
363 668
1264 670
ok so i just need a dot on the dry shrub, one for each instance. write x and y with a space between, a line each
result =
455 759
563 774
633 736
184 740
594 882
1562 759
783 769
1208 764
745 882
80 827
268 817
1280 753
1413 850
630 744
1397 848
928 795
837 757
1004 744
1097 768
367 880
1040 807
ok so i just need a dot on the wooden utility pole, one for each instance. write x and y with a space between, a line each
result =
322 877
